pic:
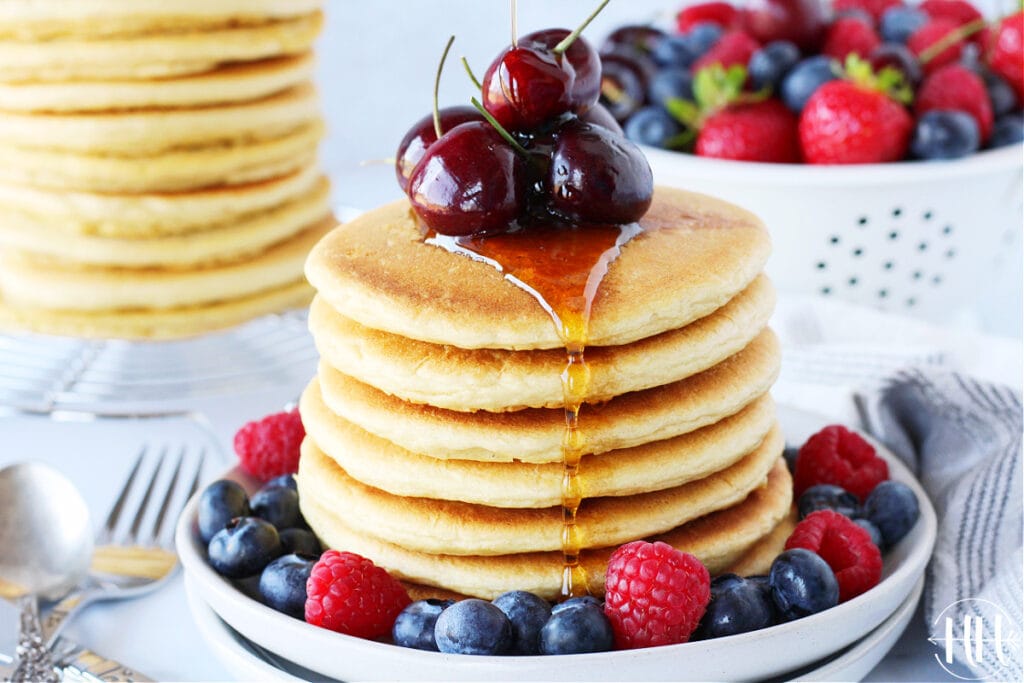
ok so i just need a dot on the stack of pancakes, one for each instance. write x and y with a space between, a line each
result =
158 172
435 423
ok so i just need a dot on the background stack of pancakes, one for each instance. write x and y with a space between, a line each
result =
158 172
435 423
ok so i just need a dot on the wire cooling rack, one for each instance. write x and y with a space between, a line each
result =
105 378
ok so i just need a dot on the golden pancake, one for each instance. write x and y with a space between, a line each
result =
535 434
202 167
157 55
758 559
229 83
47 19
718 540
247 237
27 282
696 254
657 465
496 380
143 324
456 528
138 216
148 132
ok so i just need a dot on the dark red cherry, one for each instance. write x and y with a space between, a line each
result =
583 58
798 21
635 37
622 88
899 57
597 176
422 135
525 87
469 181
600 116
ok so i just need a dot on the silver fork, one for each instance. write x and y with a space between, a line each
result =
132 563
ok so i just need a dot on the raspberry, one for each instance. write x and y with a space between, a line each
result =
349 594
735 47
845 546
956 87
654 594
835 455
269 447
849 35
930 34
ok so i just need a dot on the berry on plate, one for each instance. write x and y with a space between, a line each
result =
299 541
828 497
874 8
473 627
575 627
220 502
414 626
1009 130
936 43
955 87
802 584
835 455
278 505
798 21
845 546
805 78
760 131
269 447
850 35
283 583
735 47
721 13
899 22
771 63
894 509
945 134
1005 54
244 547
527 613
654 594
349 594
737 605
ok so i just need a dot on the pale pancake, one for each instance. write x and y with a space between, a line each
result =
250 235
143 324
455 528
718 540
169 172
758 559
144 216
697 254
662 464
535 434
26 282
148 132
496 380
157 55
228 83
37 19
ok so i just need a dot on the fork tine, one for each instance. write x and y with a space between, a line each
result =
133 533
191 492
168 495
115 511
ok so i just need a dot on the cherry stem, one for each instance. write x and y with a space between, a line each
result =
950 39
437 87
498 127
515 22
472 76
571 38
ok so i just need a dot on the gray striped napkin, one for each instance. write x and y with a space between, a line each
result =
962 438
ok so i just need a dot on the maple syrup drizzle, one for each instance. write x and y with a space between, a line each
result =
562 267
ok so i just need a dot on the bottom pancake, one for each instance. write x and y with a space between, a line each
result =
719 540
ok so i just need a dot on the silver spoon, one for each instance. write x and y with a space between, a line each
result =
46 538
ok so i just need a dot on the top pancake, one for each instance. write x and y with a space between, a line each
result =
695 255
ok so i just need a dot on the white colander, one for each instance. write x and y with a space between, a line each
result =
924 238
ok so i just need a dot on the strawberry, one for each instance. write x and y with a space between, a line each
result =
876 8
956 87
850 35
760 131
721 13
928 43
1005 54
857 121
735 47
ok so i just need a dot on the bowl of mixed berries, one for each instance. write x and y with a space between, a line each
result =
880 140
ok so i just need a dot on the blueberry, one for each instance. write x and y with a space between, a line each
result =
221 501
573 629
1000 94
900 22
804 78
899 57
414 626
789 454
244 547
473 627
528 614
828 497
876 535
771 63
670 84
736 606
702 36
576 602
893 508
283 583
674 51
278 505
944 134
1008 130
652 126
285 480
300 541
802 584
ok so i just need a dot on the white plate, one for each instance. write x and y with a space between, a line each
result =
760 654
